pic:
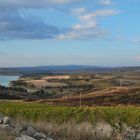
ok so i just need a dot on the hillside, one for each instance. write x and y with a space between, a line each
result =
108 97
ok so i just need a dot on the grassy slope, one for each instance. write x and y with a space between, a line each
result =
42 112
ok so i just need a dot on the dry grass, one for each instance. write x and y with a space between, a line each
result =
56 77
4 135
44 83
37 83
66 131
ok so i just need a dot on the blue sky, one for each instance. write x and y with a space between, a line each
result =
63 32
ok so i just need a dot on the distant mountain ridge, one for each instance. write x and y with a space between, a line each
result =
64 68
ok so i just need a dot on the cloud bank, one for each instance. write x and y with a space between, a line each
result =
14 25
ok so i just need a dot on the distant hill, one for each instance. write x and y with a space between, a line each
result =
63 69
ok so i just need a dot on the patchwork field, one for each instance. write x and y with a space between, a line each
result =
90 89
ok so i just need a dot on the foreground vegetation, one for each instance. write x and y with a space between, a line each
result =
42 112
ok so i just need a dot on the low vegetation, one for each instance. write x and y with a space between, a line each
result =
129 115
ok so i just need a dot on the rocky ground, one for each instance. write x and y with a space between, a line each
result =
9 130
19 132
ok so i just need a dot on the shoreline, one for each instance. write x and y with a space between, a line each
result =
7 81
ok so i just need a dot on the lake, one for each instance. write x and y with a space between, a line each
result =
5 79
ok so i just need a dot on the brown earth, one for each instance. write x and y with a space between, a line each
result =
107 97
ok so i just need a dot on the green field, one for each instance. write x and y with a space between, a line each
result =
129 115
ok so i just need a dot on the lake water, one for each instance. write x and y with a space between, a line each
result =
5 79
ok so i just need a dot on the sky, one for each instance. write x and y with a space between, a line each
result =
69 32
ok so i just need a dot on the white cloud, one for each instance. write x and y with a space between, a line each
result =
88 28
99 13
106 2
84 34
89 25
79 11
